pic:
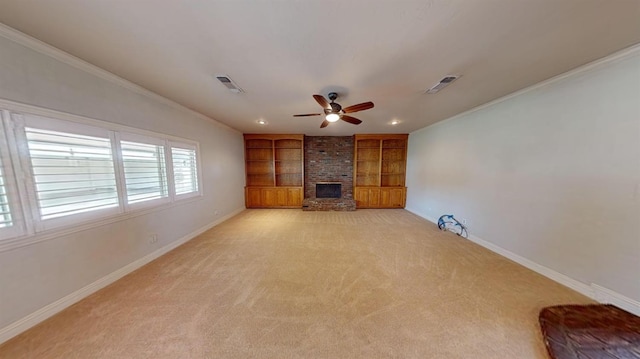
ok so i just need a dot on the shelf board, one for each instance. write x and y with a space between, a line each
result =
289 173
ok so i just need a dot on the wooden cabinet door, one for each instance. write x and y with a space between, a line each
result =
392 197
397 197
362 197
253 198
385 197
281 196
268 197
369 197
374 197
294 197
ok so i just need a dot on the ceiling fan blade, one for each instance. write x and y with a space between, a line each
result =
350 119
359 107
324 124
322 101
308 114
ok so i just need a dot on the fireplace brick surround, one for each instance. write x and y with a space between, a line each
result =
328 159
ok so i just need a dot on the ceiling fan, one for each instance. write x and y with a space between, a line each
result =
334 112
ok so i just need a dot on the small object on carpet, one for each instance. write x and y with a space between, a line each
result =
599 331
447 222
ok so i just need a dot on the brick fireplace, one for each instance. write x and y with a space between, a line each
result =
328 159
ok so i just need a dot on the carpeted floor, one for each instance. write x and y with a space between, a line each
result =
294 284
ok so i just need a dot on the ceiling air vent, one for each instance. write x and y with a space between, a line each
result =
229 83
442 84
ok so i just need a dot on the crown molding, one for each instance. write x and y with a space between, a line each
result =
64 57
618 55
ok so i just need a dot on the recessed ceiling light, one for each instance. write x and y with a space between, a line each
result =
262 122
395 122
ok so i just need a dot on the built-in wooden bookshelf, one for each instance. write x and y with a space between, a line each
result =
379 171
274 167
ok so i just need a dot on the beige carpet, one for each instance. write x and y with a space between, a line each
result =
294 284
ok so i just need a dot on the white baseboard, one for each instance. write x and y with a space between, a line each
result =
49 310
547 272
605 295
593 291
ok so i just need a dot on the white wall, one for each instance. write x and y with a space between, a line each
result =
551 174
34 276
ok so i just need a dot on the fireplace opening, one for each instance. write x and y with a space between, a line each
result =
328 190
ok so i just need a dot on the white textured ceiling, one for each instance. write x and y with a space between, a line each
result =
282 52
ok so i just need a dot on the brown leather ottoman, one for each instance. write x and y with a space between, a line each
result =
590 332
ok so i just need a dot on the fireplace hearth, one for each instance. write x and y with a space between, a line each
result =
328 198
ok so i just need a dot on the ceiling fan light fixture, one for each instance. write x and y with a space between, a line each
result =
334 112
332 117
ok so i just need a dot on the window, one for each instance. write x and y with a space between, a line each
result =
60 171
11 217
145 171
73 173
5 210
185 169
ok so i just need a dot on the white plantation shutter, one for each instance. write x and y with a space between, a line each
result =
60 171
185 170
11 218
5 210
11 224
145 171
73 173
